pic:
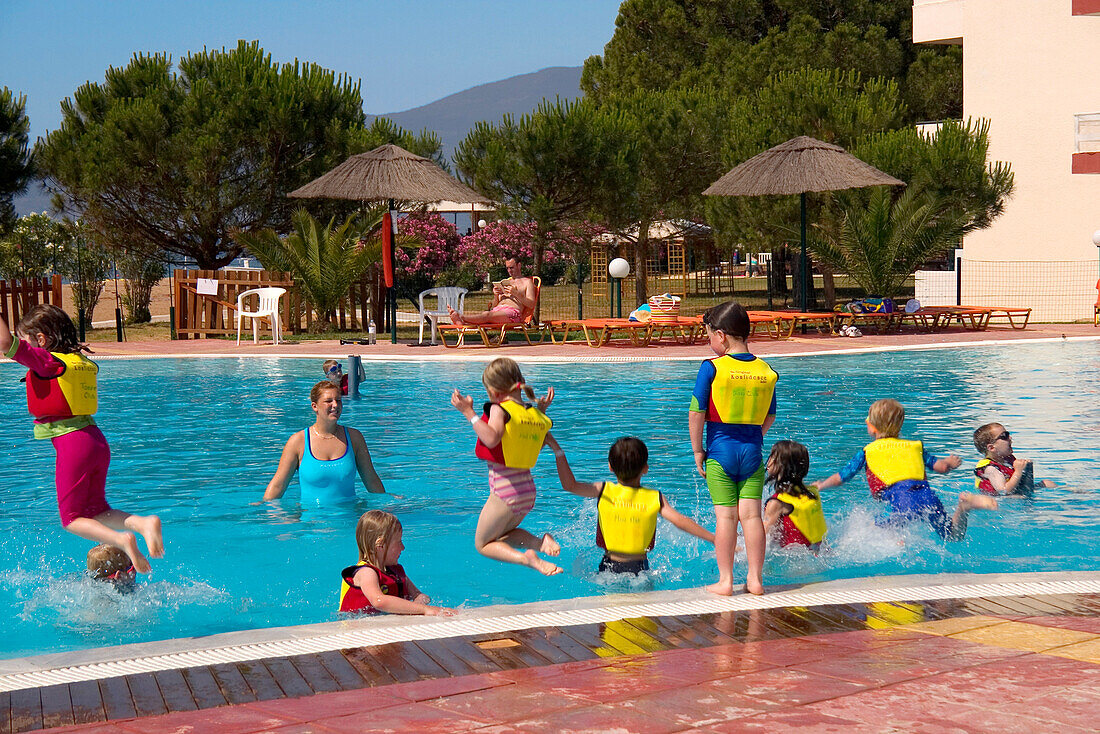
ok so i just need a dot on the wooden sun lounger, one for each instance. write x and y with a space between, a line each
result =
598 332
1016 318
496 335
787 321
879 321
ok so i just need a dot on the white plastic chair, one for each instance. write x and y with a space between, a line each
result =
446 296
269 309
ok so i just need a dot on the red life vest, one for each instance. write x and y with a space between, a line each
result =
69 394
981 483
392 580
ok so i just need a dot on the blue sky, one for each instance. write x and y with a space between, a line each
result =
406 53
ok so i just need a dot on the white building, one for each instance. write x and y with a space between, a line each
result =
1031 68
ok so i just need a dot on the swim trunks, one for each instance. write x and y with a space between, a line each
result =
83 457
635 567
515 487
913 500
727 491
510 311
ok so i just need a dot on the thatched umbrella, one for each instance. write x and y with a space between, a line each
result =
798 166
388 173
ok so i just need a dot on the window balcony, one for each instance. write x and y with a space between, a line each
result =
938 21
1086 154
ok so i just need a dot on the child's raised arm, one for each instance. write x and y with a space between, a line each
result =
565 473
685 523
366 579
489 433
946 464
828 483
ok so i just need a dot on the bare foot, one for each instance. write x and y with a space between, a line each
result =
456 317
544 567
754 589
972 501
722 588
549 546
149 527
130 547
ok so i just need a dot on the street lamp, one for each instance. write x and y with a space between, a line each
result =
618 269
481 224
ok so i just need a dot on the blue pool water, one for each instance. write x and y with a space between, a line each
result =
197 440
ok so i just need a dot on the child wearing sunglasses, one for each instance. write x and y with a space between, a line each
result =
334 373
1000 472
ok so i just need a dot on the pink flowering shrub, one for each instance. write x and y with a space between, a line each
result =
485 250
438 240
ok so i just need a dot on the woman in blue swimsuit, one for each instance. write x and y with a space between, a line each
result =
326 455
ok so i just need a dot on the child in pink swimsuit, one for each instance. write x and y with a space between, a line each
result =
61 395
510 434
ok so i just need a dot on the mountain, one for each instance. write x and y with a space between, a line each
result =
454 115
450 117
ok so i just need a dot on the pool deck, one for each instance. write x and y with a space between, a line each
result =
962 653
304 347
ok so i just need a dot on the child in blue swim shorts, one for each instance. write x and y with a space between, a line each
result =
896 474
734 399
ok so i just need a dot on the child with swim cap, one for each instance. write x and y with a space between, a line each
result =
510 434
378 583
334 373
793 512
626 512
62 397
734 400
896 474
1000 472
108 563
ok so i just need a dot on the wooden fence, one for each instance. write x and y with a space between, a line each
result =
18 296
205 315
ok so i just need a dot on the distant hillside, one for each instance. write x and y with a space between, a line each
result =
454 115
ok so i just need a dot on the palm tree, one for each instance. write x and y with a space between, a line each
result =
324 260
880 243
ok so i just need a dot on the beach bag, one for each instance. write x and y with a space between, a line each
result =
664 309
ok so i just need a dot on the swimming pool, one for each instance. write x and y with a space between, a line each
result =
196 440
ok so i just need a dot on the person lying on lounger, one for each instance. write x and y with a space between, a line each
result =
511 299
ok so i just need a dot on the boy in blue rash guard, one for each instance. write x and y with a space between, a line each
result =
896 474
734 399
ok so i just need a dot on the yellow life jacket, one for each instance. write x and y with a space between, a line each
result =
72 393
741 392
524 433
894 460
807 515
626 518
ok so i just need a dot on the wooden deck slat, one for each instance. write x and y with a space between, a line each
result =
784 623
315 674
539 641
5 699
204 687
472 656
232 684
1063 603
394 662
26 710
289 680
634 629
146 694
445 657
346 676
678 634
372 670
706 630
525 655
1020 606
57 707
604 641
174 690
261 682
87 702
507 658
117 701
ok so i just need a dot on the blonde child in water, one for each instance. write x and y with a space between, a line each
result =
510 434
377 583
62 397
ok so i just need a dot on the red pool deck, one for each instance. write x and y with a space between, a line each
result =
1004 664
304 346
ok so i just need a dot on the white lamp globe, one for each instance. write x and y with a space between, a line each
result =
1096 238
481 223
618 268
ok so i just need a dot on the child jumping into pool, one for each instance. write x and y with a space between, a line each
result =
62 397
896 474
510 434
1000 472
734 399
378 583
793 508
626 512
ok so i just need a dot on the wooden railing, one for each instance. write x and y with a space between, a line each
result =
205 315
18 296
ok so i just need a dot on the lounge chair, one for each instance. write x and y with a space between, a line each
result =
598 332
1016 318
496 335
787 321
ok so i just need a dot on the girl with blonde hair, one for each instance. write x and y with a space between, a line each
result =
510 434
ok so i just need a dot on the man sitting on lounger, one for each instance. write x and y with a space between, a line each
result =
511 299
